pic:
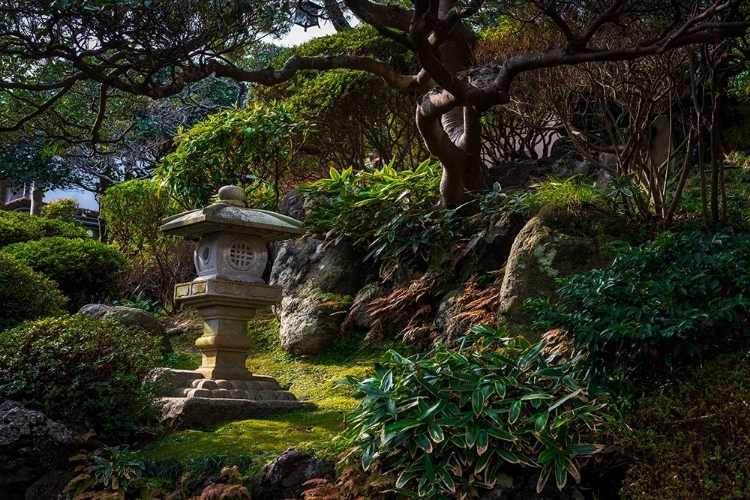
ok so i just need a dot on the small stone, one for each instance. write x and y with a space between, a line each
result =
206 384
223 384
220 393
239 384
286 476
234 195
198 393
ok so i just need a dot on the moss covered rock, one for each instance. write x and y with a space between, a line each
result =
552 245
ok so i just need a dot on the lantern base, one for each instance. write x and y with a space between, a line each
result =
191 398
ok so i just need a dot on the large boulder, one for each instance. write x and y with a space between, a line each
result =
552 245
129 316
31 445
285 477
318 283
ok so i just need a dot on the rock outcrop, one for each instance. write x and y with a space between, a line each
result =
286 476
31 445
552 245
129 316
318 284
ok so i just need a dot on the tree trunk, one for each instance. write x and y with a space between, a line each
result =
336 15
37 195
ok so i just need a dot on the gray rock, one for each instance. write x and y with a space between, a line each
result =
500 237
129 316
449 328
316 282
30 445
50 486
284 477
551 246
521 174
178 413
360 317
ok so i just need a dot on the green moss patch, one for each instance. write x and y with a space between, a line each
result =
310 379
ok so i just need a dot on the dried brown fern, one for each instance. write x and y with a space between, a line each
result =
408 309
479 304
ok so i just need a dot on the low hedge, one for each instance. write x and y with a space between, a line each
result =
26 294
17 227
85 373
85 270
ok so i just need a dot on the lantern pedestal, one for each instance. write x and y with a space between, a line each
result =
226 307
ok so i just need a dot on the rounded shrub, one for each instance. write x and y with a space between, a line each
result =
84 269
86 373
64 209
16 227
25 293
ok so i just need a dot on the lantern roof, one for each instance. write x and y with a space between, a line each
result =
231 214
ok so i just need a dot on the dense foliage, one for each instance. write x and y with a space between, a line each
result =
134 211
237 147
572 194
355 113
65 209
391 214
25 293
16 227
85 270
658 304
690 440
449 421
85 373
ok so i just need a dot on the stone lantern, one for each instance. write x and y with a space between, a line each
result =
230 257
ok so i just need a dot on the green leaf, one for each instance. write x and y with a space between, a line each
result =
423 442
564 399
436 433
483 441
541 421
477 402
501 434
432 410
582 449
515 412
535 396
403 425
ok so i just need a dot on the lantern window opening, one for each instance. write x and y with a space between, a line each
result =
308 14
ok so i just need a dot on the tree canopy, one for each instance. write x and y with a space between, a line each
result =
155 48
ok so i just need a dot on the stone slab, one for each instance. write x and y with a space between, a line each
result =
178 413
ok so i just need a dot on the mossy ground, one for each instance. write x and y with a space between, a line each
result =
311 378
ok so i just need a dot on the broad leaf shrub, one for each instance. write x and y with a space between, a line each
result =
64 209
26 294
85 270
234 146
133 211
388 213
690 439
16 227
449 421
85 373
658 304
